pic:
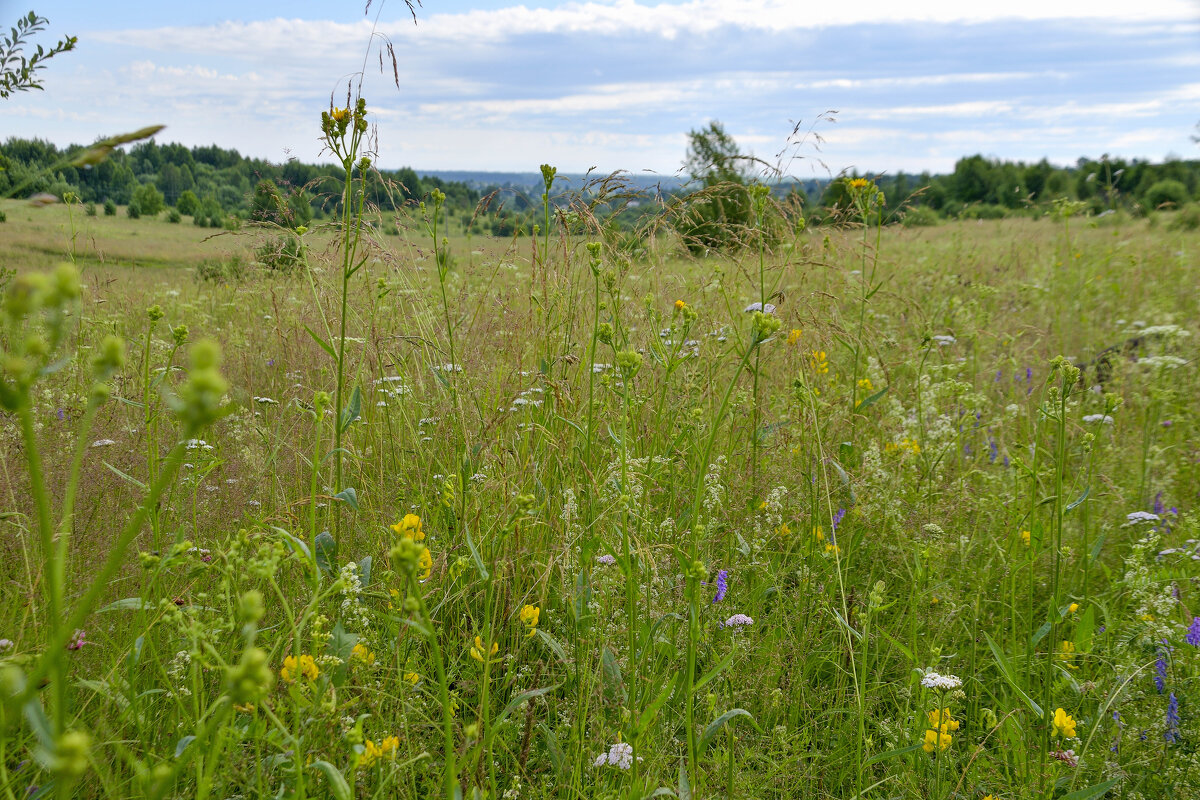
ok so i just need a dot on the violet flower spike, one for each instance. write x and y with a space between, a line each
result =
722 585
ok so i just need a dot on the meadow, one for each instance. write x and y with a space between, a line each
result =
849 511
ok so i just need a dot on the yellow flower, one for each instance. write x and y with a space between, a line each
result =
680 305
529 617
859 183
1066 652
819 361
293 667
340 114
363 654
865 384
373 752
410 528
477 652
831 548
794 336
941 719
1064 725
1025 537
412 678
989 797
936 740
424 565
784 531
818 534
1071 609
244 708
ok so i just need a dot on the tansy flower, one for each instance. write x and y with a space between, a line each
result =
1064 724
529 617
363 654
794 336
477 652
410 528
293 667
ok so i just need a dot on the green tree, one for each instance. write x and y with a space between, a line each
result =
719 215
148 199
188 203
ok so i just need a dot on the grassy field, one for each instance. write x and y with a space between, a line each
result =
533 519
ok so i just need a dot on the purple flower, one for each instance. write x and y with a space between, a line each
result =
1159 508
1171 734
738 620
60 415
837 519
1160 669
993 450
77 640
722 585
1193 634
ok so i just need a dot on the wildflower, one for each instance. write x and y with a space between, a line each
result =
943 683
832 549
103 443
766 309
940 718
302 666
738 621
606 559
477 652
620 755
1071 609
412 678
1138 517
1193 634
1102 419
819 361
944 340
838 516
1160 667
424 565
1064 724
722 585
410 528
1025 538
865 385
819 533
680 305
5 644
373 752
77 640
794 336
936 740
1171 734
859 183
1066 652
1066 756
363 654
529 617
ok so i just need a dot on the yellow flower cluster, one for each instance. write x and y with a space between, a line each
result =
1066 653
905 445
937 736
680 305
478 651
302 666
1025 537
1064 724
363 654
859 183
819 361
410 528
794 337
529 618
374 752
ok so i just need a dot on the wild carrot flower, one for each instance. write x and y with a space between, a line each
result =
722 585
942 683
302 666
529 617
1064 724
620 755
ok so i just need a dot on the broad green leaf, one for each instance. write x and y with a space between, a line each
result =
128 478
128 604
651 711
1092 792
349 496
337 784
521 699
715 671
614 684
483 572
324 345
182 744
326 554
1007 671
718 724
352 411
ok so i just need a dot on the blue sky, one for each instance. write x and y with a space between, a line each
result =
617 84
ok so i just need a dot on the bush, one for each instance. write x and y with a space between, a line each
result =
200 221
229 268
1166 193
90 209
1188 218
174 216
110 208
983 211
133 210
188 203
148 199
281 254
920 217
3 217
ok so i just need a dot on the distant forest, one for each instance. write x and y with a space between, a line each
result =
219 187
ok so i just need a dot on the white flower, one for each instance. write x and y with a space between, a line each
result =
945 683
1101 418
944 340
620 755
1138 517
767 309
266 401
103 443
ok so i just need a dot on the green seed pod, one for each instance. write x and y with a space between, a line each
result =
251 678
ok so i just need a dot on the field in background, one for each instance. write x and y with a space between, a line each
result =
811 517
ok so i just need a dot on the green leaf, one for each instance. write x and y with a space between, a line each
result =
520 700
1084 630
352 411
1091 792
364 571
614 684
483 573
341 641
349 496
182 744
326 554
35 715
553 644
899 751
872 400
1079 499
128 604
651 711
715 671
324 345
127 478
1007 671
719 723
685 788
1040 633
337 784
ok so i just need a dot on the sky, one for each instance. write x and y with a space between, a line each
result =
813 88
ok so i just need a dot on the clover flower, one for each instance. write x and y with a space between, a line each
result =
77 640
1068 757
722 585
607 560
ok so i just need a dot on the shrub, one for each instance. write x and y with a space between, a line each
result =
133 210
228 268
920 217
281 254
983 211
174 216
1166 193
90 209
3 217
148 199
110 208
188 203
1188 218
